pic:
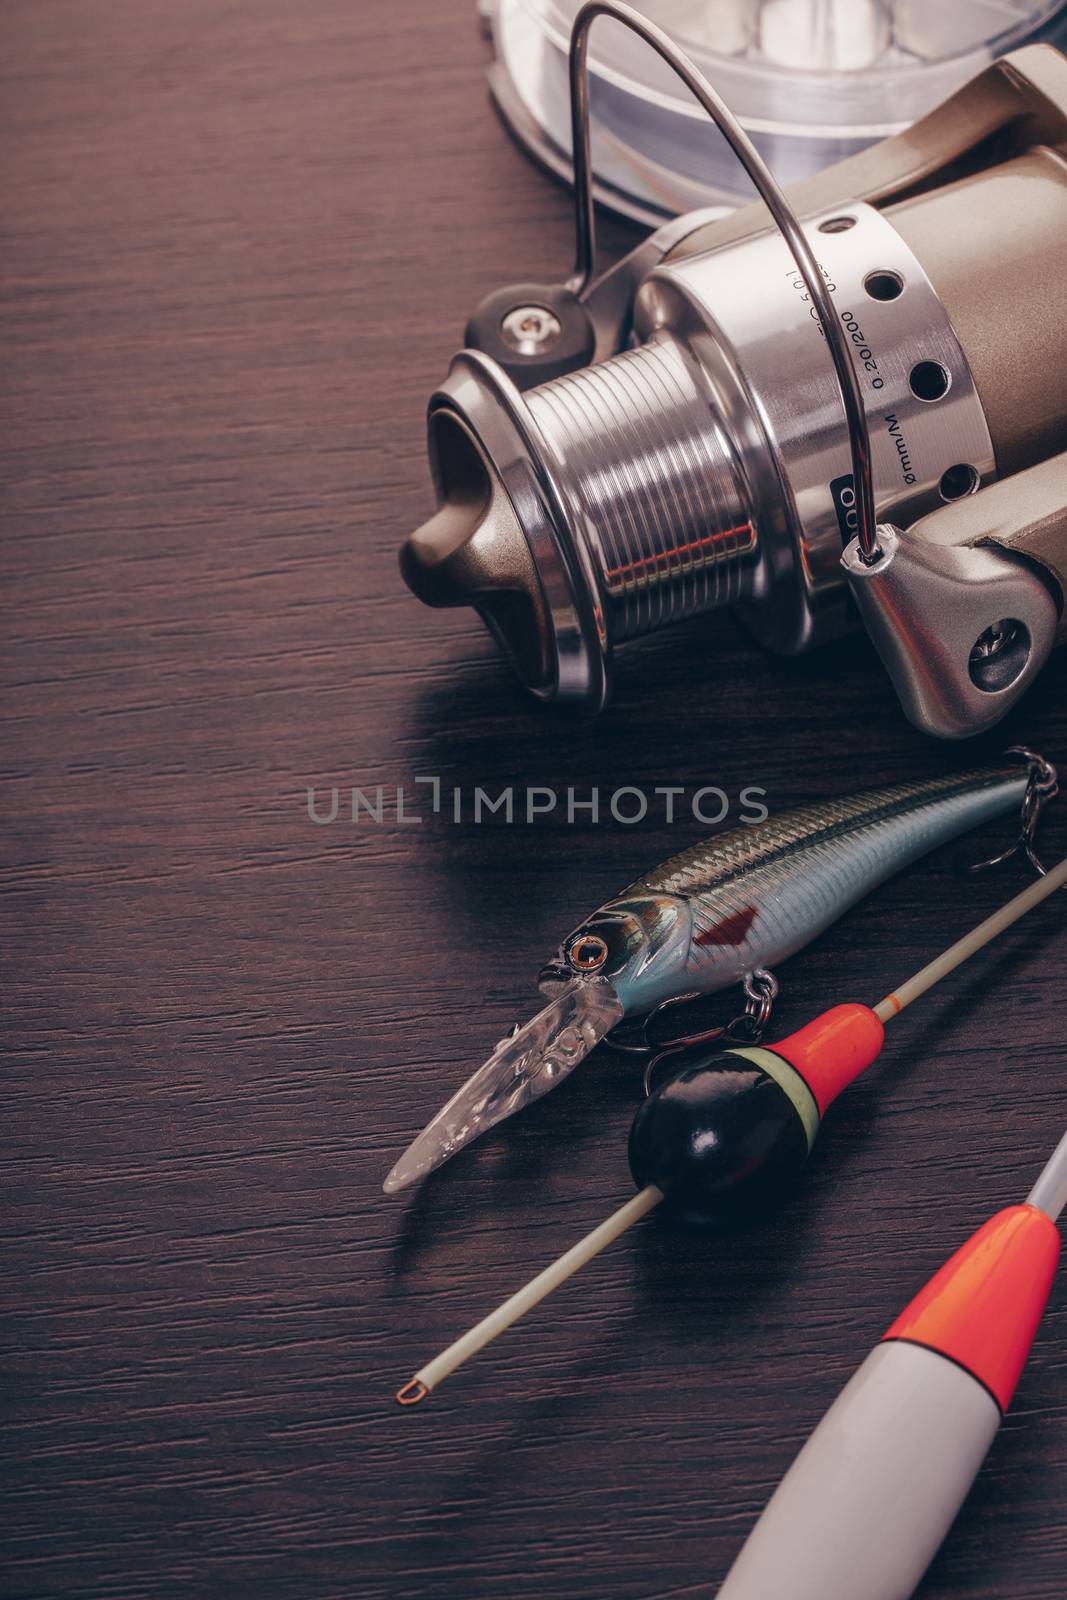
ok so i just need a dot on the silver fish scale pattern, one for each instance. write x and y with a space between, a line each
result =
767 890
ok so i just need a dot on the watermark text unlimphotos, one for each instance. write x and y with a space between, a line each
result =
383 805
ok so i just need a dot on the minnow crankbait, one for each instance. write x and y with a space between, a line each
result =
715 915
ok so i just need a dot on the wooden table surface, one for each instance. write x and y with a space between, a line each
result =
239 245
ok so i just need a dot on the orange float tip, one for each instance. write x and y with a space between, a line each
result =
831 1051
983 1307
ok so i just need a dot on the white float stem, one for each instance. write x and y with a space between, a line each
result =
971 942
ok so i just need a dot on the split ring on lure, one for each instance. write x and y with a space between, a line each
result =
713 916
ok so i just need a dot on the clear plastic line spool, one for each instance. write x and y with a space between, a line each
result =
811 81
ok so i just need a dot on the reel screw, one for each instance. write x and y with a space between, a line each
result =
531 330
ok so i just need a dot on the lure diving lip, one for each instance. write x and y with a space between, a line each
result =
713 916
524 1066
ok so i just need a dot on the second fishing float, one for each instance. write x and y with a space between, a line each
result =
727 1135
872 1494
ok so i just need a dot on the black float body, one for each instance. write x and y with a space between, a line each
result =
720 1137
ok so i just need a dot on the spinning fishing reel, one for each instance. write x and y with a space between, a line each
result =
849 401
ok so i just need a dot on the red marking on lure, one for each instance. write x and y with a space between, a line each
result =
733 929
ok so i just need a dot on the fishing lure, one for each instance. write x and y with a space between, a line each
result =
726 911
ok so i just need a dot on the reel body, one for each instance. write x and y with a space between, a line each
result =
697 454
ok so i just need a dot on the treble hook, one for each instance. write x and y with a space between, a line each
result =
761 991
1042 786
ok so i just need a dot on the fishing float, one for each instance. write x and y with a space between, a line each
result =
868 1501
726 1136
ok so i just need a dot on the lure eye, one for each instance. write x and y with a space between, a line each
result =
588 952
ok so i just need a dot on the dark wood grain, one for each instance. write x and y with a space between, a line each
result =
239 244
